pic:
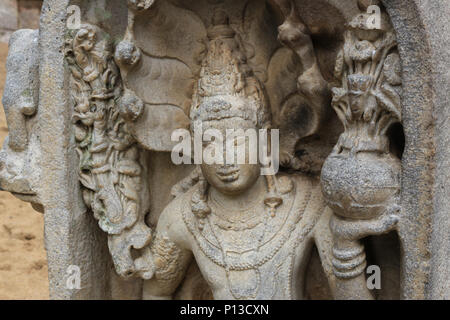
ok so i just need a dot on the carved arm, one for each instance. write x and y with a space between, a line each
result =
349 258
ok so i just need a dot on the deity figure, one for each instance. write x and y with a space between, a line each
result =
251 235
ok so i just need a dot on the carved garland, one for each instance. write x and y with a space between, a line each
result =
110 172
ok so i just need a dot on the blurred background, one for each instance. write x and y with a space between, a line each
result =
23 263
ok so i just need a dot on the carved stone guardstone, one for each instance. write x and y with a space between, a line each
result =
357 88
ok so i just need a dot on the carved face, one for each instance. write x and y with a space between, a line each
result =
237 176
18 167
231 179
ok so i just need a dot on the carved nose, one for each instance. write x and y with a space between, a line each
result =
28 108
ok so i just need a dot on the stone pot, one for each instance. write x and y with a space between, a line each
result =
360 185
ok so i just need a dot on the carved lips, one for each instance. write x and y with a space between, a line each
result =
228 174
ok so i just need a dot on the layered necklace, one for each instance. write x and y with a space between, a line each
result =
247 219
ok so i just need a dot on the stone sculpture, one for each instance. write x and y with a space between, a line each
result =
330 77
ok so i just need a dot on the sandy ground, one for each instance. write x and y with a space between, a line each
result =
23 263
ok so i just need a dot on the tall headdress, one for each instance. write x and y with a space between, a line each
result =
227 87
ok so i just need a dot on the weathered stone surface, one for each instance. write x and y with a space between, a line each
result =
362 115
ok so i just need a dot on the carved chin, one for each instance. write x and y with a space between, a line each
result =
232 185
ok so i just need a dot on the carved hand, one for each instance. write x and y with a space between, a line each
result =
344 229
349 257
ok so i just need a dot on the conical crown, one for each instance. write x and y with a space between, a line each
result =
227 87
